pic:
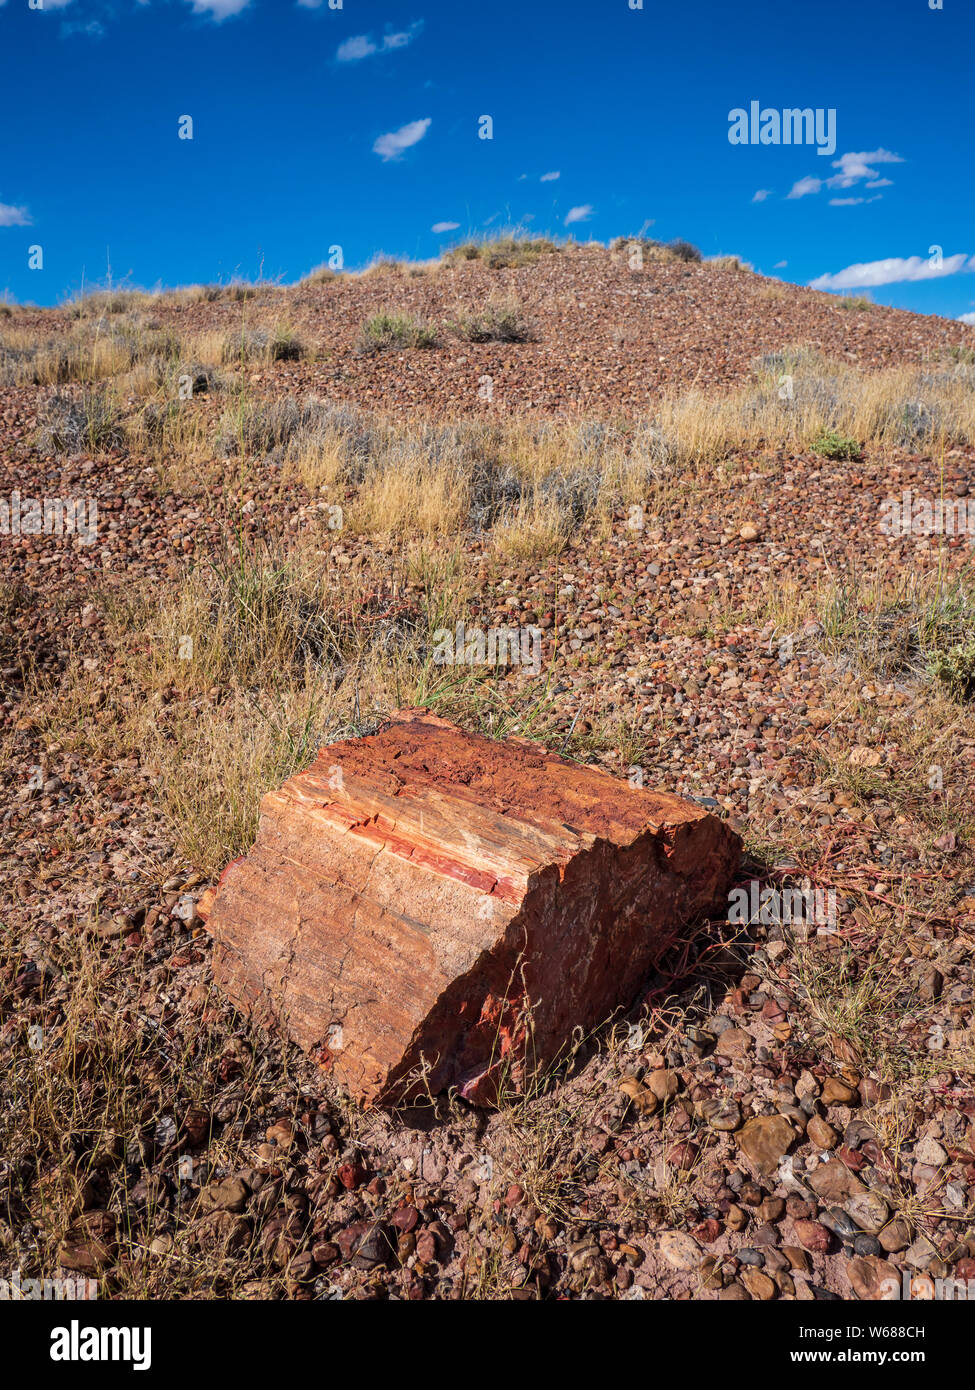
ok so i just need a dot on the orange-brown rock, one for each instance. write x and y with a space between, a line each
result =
427 908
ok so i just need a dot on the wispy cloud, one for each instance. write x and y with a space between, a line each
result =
579 214
550 178
364 46
13 217
804 187
966 318
216 9
392 145
761 194
894 270
445 226
853 169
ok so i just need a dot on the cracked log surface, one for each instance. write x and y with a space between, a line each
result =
426 908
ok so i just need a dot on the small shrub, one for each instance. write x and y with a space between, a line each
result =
955 669
285 347
855 301
504 252
685 251
500 322
386 330
831 445
69 424
319 275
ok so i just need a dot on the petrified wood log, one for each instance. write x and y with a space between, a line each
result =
426 908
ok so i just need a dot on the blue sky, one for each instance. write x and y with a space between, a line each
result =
316 126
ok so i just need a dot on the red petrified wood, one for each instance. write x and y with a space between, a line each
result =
426 908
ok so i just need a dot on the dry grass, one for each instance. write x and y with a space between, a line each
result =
500 320
232 681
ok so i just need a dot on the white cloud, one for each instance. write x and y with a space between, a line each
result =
392 145
895 270
579 214
966 318
363 46
445 226
549 178
804 186
780 265
216 9
854 167
393 41
761 194
13 217
353 49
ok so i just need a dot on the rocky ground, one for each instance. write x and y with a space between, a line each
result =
787 1110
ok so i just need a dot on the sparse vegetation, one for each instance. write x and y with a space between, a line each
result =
500 321
831 445
391 330
271 568
505 251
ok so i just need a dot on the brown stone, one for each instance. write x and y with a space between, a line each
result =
838 1092
797 1257
821 1134
873 1279
895 1236
426 908
229 1195
764 1139
833 1181
759 1285
812 1236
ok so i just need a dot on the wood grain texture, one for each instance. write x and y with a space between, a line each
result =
425 907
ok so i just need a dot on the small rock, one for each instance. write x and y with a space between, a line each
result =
643 1099
838 1092
869 1211
895 1236
873 1279
822 1134
721 1113
229 1195
765 1139
759 1285
680 1250
832 1181
812 1236
930 1151
664 1084
797 1257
